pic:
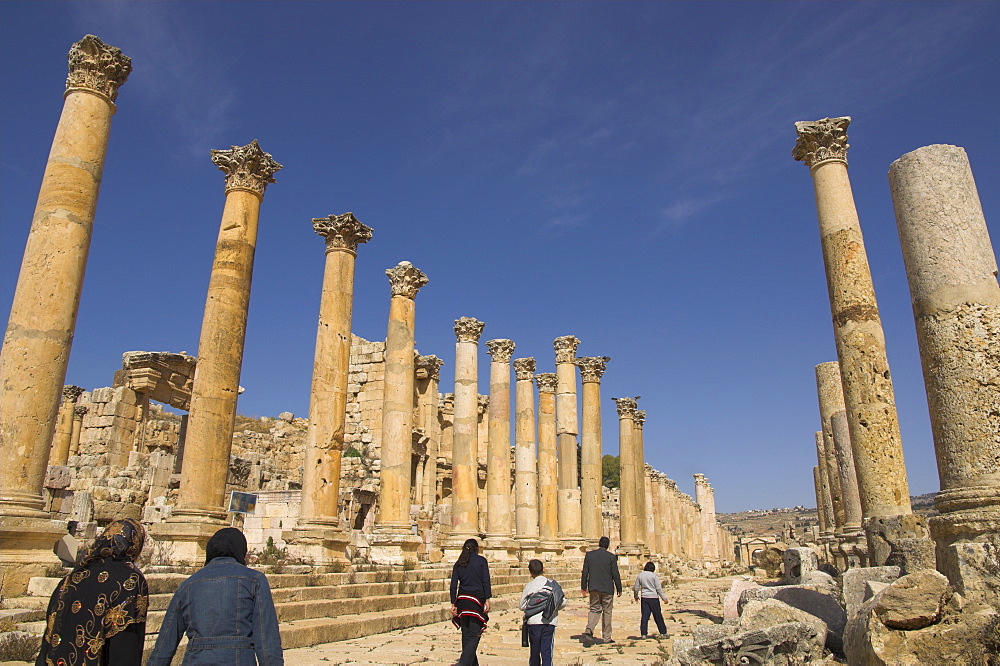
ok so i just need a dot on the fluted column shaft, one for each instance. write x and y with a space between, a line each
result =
651 539
824 477
525 455
821 516
830 392
499 521
845 469
428 375
638 421
857 327
43 312
629 474
223 332
63 436
591 370
331 363
465 466
566 434
548 511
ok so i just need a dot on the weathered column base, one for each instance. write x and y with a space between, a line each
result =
573 548
387 545
967 546
853 550
630 555
901 541
183 543
527 549
500 549
319 543
27 551
548 551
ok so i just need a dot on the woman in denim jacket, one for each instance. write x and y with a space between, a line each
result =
225 609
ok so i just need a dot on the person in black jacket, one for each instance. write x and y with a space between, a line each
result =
470 599
601 580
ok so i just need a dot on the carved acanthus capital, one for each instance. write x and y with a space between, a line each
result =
80 411
97 67
821 141
431 365
482 404
546 382
342 232
448 402
699 479
468 329
640 418
246 167
71 393
566 348
524 369
500 349
592 367
405 279
626 407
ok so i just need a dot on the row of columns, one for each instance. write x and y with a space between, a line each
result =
951 270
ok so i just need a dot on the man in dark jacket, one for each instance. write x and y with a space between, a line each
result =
601 580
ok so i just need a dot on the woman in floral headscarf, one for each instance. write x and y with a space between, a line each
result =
97 615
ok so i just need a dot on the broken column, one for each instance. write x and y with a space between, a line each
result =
318 534
548 466
525 459
868 392
591 370
393 541
465 466
951 269
43 311
630 469
63 436
428 375
566 433
499 521
200 509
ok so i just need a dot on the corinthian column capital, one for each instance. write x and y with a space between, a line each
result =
405 279
468 329
565 347
626 407
640 418
821 141
342 232
524 369
430 365
500 350
97 67
80 411
246 167
71 393
546 382
592 367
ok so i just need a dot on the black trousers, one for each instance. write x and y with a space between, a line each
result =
472 631
540 639
651 607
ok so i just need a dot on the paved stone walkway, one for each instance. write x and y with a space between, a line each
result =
690 603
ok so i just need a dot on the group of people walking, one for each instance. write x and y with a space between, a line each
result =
97 614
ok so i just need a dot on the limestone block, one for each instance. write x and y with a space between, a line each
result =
103 394
58 477
873 587
885 532
287 417
797 563
768 612
706 633
856 579
914 601
42 587
83 507
732 598
809 599
973 569
779 645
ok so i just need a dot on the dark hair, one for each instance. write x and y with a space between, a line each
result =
535 567
469 548
649 567
71 527
604 542
227 542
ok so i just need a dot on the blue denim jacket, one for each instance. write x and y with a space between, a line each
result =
228 614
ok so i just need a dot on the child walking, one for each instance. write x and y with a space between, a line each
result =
649 591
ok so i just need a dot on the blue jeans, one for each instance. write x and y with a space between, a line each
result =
540 639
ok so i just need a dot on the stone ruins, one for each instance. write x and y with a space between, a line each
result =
391 469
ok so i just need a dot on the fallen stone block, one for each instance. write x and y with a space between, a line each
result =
730 602
914 601
808 599
779 645
855 581
770 612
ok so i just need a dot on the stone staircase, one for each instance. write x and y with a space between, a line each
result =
316 608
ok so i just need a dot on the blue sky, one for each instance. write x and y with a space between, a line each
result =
616 171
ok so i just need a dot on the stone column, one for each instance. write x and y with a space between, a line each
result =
630 467
59 453
704 497
566 433
951 268
591 370
465 465
74 442
830 392
319 535
650 530
43 312
638 421
868 392
548 510
201 508
428 375
525 459
499 521
393 541
826 531
821 517
663 522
